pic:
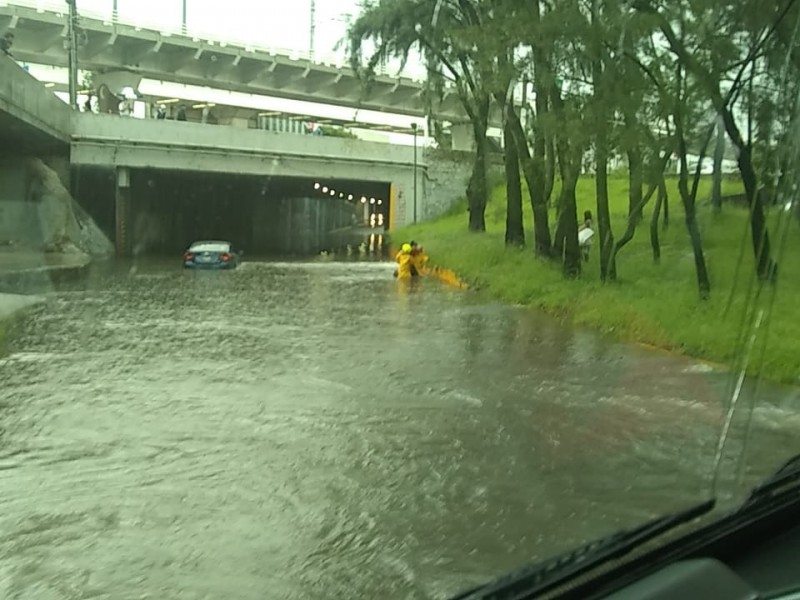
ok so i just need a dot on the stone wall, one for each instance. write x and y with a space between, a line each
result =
445 181
446 178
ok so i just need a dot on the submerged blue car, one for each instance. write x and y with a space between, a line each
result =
211 255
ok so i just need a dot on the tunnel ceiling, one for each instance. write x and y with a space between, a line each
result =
273 185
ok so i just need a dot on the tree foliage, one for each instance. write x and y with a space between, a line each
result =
646 80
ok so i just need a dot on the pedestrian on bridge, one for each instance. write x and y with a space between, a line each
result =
6 42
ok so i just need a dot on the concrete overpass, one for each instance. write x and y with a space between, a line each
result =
135 53
32 119
130 145
38 123
108 140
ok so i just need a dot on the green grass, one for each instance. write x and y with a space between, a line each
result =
652 304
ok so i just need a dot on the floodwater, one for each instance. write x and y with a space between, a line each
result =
318 430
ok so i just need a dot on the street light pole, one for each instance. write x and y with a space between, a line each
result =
72 27
115 12
414 128
183 21
312 28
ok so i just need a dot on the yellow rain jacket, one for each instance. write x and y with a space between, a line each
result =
419 259
404 262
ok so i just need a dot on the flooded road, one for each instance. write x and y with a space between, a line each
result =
314 430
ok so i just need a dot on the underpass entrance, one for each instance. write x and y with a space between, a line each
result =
166 210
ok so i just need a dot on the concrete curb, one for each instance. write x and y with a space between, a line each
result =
39 278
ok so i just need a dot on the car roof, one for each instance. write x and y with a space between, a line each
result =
210 242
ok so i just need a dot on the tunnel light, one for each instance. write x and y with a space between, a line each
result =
325 189
349 196
49 85
363 199
380 202
341 194
333 192
316 186
372 200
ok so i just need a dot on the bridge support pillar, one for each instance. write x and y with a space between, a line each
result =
122 204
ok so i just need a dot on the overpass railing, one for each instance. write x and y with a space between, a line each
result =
117 130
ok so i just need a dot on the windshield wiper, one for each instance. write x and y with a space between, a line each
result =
788 476
541 577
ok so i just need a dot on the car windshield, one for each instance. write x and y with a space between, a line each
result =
383 299
210 247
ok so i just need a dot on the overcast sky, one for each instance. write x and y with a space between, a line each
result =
278 24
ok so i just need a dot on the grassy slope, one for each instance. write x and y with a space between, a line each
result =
652 304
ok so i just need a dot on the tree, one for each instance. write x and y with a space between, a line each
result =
515 233
719 155
517 24
603 109
688 197
707 55
570 143
444 33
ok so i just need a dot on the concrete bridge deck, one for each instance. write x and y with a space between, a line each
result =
114 46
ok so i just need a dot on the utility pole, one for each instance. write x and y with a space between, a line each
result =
183 21
115 12
312 28
72 29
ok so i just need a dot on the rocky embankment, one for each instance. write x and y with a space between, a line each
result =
44 234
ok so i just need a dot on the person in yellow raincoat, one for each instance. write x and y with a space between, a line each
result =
404 262
418 259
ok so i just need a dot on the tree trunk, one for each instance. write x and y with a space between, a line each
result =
532 168
566 238
559 236
656 182
515 234
477 190
665 222
703 284
630 229
654 241
605 234
602 113
635 181
549 169
569 165
719 154
568 223
543 142
688 200
766 268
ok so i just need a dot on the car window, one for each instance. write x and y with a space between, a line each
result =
210 247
